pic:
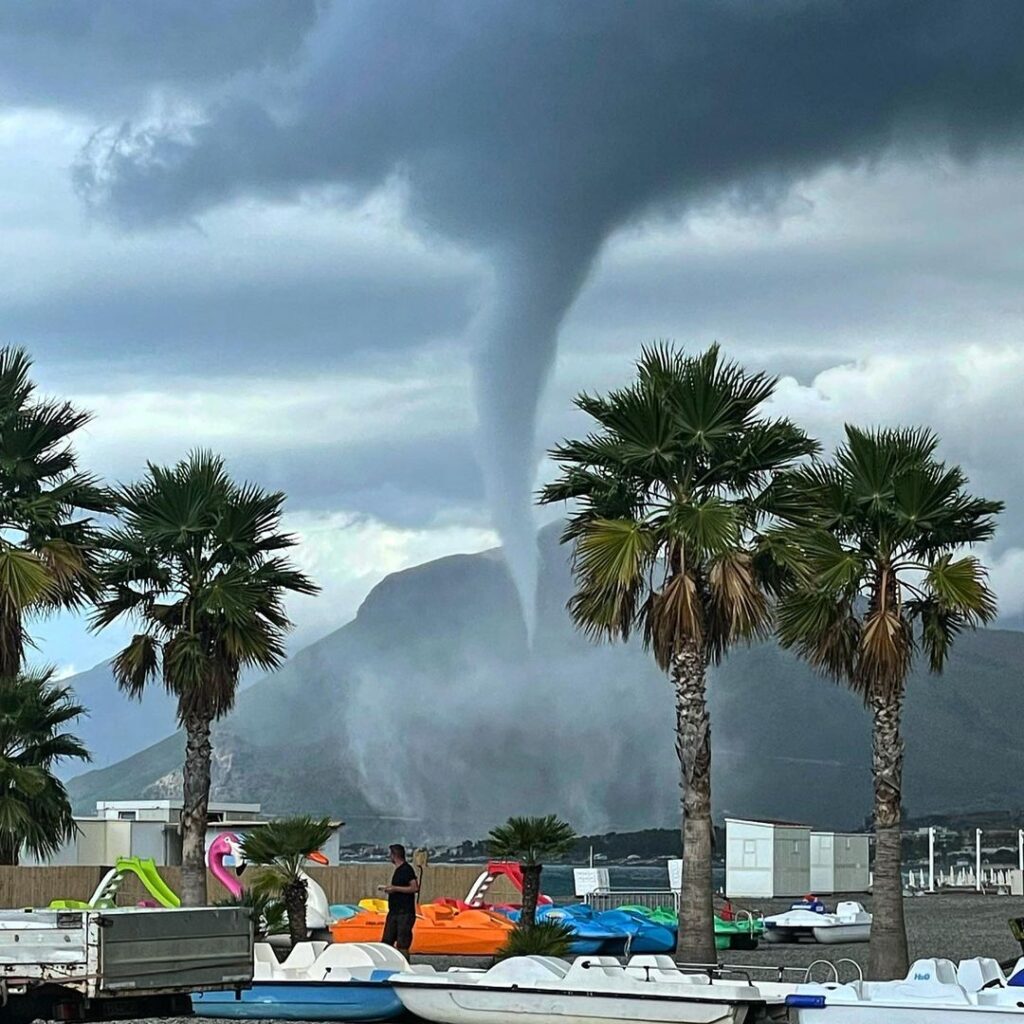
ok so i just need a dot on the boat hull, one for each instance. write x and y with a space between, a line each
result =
830 935
482 1006
860 1013
312 1001
835 934
439 931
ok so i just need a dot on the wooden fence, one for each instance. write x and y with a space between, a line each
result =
345 883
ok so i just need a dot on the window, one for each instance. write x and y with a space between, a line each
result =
126 815
215 816
750 853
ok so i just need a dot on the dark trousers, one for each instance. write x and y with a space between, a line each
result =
398 927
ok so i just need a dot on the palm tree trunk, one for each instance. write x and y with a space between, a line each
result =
887 954
531 893
195 799
12 639
696 942
294 896
9 850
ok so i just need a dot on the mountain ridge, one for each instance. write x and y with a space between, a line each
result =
429 714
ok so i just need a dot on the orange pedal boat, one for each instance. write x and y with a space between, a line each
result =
439 930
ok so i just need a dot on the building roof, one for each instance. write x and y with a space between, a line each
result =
244 823
770 821
168 805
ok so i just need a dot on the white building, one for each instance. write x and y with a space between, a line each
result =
839 862
149 829
767 858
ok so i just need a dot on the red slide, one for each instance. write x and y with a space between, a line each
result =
475 897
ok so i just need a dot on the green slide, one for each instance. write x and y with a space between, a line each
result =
106 892
150 878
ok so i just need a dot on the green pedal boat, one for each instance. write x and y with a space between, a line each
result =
738 933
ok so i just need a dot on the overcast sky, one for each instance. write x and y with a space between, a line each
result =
356 247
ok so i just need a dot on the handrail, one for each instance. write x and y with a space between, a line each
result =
827 963
847 960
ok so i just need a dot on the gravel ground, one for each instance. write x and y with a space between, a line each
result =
951 925
954 925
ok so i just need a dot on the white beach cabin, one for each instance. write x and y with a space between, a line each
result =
839 863
767 858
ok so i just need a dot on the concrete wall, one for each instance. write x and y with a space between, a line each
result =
103 840
346 883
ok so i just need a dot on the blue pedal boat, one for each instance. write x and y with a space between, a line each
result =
318 982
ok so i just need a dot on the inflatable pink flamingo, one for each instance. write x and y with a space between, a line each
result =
227 844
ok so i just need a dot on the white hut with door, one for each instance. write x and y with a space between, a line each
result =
839 862
767 858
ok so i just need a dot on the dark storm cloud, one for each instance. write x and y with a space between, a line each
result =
298 319
101 54
531 130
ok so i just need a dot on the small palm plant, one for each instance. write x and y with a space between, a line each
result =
281 848
531 841
542 938
878 536
35 812
265 908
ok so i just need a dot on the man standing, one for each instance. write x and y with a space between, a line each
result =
401 895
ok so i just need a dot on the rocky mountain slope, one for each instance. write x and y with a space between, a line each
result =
430 716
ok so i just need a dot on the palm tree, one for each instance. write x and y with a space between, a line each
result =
265 909
35 812
48 545
531 841
668 490
542 938
281 848
195 564
876 536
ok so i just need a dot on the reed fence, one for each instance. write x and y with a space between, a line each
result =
344 883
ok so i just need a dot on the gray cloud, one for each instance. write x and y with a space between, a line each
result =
410 482
101 55
531 130
295 319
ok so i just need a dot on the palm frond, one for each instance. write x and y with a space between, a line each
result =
531 840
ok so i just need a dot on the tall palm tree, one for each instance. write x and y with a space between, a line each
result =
281 848
668 490
531 841
35 812
877 535
195 564
48 541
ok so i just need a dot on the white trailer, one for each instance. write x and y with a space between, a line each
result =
766 858
82 964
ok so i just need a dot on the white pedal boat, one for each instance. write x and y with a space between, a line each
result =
343 981
933 992
592 990
850 923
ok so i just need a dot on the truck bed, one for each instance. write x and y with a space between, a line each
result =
106 955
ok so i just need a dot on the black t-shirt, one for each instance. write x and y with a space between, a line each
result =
403 902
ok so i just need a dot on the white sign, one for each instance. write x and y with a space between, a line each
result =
675 874
587 880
